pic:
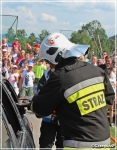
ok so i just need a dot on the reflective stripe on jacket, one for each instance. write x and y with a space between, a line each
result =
79 92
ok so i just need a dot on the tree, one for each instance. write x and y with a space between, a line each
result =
21 33
43 34
80 37
94 35
10 35
31 39
96 32
22 41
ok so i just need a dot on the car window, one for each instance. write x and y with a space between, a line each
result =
10 89
10 108
16 127
8 138
4 136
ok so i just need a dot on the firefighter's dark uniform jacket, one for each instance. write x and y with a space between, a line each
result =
79 92
51 118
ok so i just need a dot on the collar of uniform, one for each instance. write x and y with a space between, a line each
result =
70 63
74 65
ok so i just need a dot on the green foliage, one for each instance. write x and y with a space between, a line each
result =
22 41
80 37
21 36
31 39
92 34
10 35
43 34
21 33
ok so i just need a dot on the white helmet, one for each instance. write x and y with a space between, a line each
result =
56 45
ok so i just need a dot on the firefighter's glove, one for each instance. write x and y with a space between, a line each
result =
54 119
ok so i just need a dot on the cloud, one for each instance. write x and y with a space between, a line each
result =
60 14
47 17
32 28
108 27
66 23
22 10
24 14
5 27
82 23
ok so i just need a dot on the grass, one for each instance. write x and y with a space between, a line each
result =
113 131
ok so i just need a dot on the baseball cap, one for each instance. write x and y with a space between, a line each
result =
14 66
30 64
37 41
16 38
4 50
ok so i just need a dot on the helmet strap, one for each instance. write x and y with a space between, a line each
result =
58 57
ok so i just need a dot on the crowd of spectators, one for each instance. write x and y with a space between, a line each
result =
24 69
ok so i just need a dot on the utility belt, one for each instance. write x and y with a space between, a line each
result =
81 144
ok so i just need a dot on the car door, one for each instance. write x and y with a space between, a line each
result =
17 123
8 138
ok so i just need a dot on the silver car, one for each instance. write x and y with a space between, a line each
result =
15 128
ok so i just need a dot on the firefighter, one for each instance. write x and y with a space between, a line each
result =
78 91
50 127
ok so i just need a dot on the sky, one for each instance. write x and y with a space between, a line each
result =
58 16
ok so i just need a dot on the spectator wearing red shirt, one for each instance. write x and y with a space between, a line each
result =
37 44
21 57
16 44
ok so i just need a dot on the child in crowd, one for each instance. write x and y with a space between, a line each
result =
37 44
11 59
13 78
24 66
39 69
15 53
27 79
16 44
112 78
6 65
4 43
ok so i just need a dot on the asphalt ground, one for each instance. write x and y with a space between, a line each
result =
36 122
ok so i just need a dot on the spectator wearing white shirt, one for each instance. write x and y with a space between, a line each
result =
5 67
112 78
15 54
27 79
13 78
